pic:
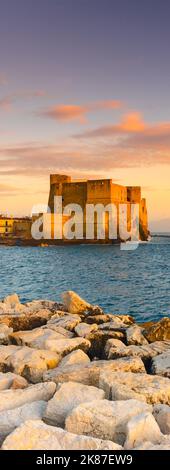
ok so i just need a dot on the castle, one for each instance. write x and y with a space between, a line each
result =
102 191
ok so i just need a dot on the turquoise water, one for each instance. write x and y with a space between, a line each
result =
136 283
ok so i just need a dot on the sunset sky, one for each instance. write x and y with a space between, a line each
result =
85 90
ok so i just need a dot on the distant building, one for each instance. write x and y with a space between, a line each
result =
11 227
102 191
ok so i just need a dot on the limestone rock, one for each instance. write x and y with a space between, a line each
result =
11 419
98 318
36 305
73 303
10 399
104 419
115 325
5 331
36 435
134 336
140 428
83 329
164 444
59 329
89 374
67 345
161 364
68 396
35 338
159 331
11 300
116 350
149 388
30 363
69 322
75 357
10 380
162 415
25 321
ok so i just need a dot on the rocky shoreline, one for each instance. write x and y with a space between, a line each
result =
74 377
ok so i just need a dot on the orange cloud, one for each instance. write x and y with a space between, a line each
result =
70 112
131 123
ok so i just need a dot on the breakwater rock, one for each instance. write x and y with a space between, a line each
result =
75 377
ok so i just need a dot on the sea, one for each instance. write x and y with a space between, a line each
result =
135 282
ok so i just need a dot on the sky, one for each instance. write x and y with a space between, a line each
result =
84 91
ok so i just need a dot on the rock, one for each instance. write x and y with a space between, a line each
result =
30 363
117 349
36 338
69 322
164 444
25 321
75 357
126 319
36 305
5 331
141 428
12 300
83 329
134 336
10 380
67 345
162 415
104 419
89 374
36 435
144 387
113 343
59 329
159 331
68 396
73 303
11 419
10 399
98 319
160 365
115 325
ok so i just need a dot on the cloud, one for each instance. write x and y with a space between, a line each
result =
7 101
131 123
70 112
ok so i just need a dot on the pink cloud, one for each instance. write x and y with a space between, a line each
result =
7 101
70 112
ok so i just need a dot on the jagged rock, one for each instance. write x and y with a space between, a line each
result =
159 331
144 387
5 353
25 321
88 374
10 380
36 305
67 345
10 399
115 325
11 300
30 363
68 396
104 419
161 364
73 303
115 349
75 357
4 333
83 329
69 322
134 336
126 319
113 343
35 338
11 419
140 428
98 340
99 318
164 444
36 435
59 329
162 415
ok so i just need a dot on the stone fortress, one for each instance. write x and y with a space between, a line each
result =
102 191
